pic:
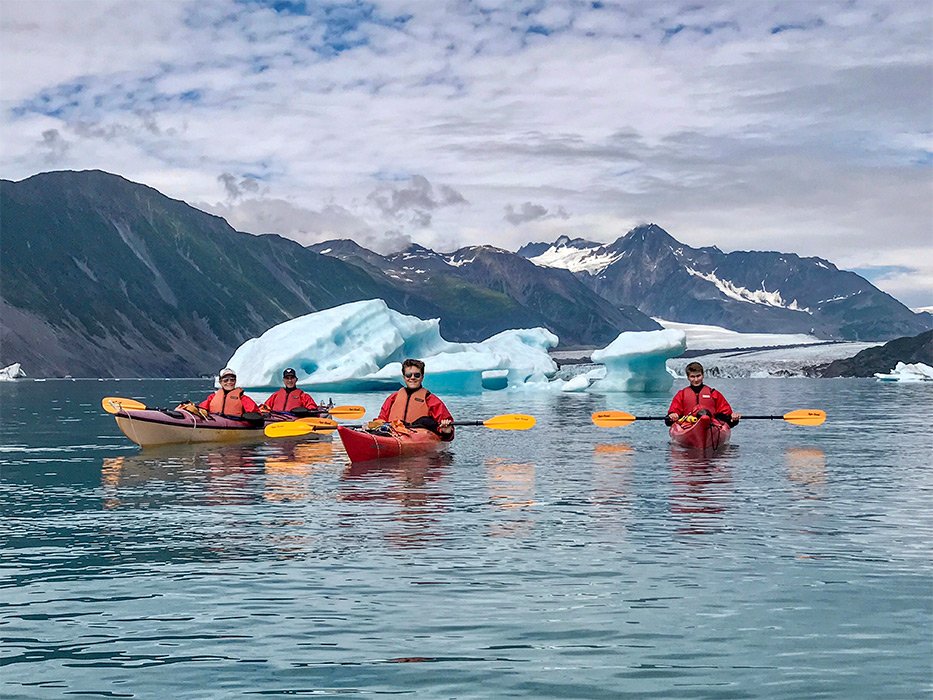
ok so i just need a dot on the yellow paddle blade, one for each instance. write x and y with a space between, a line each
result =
113 404
319 423
347 411
287 429
806 416
510 421
612 419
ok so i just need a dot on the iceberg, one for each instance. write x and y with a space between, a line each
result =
915 372
360 347
14 371
636 361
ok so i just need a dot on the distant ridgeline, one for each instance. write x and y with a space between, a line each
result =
105 277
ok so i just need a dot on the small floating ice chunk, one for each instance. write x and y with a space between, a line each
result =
902 372
14 371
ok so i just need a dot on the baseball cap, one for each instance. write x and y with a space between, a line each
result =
289 372
225 371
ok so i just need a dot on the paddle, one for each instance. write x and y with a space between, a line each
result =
114 404
509 421
803 416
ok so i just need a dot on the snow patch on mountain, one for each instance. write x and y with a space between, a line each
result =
759 296
576 259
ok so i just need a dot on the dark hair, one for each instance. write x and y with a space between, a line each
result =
693 367
413 363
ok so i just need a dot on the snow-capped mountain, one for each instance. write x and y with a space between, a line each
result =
746 291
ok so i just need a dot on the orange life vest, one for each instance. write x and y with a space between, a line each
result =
290 399
410 407
227 402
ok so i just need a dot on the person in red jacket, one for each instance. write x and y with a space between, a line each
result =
289 397
229 399
416 406
697 397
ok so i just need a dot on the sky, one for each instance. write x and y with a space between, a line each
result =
804 127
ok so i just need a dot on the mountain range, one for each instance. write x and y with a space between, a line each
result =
100 276
745 291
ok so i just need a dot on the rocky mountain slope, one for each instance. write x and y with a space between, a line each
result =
747 291
883 358
105 277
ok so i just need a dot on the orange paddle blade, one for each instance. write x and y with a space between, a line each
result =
114 404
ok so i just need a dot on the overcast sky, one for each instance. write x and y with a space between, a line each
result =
803 127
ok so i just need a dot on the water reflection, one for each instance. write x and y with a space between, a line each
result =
415 488
806 467
213 475
612 488
701 488
511 488
289 474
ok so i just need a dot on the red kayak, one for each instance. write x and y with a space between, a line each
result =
363 446
707 433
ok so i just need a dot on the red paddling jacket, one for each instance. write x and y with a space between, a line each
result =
690 400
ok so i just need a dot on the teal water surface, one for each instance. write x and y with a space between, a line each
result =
567 561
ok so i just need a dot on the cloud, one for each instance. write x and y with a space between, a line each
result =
730 123
531 212
415 201
237 187
54 145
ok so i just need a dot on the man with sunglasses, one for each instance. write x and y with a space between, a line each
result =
415 406
229 399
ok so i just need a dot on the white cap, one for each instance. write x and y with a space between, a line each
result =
225 371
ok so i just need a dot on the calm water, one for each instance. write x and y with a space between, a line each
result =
569 561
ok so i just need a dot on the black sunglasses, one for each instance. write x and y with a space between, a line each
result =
412 375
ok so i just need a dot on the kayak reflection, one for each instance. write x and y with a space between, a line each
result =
701 488
232 474
415 485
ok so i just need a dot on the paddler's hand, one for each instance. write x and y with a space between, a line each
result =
735 418
673 417
446 426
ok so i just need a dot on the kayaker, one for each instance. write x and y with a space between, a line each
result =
229 399
415 406
698 397
289 398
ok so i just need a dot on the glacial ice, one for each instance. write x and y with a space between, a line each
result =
360 347
636 361
903 372
14 371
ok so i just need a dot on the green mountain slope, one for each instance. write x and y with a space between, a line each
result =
103 277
